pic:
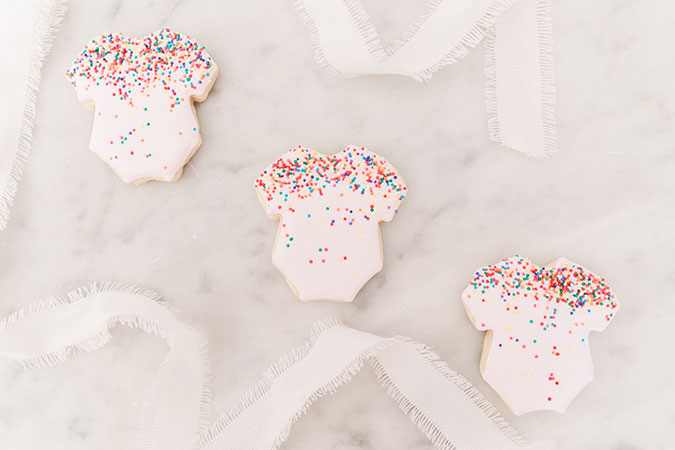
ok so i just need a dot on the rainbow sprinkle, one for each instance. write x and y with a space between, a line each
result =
130 67
367 180
568 287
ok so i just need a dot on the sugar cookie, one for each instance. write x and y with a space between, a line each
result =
536 353
142 92
328 244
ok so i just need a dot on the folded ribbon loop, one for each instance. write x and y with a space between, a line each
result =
520 80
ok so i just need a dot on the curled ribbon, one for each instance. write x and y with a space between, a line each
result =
519 69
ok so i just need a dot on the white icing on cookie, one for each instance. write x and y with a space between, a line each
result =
145 126
328 245
536 354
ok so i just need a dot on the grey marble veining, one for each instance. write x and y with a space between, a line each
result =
606 201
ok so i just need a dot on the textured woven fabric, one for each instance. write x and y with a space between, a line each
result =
27 29
520 81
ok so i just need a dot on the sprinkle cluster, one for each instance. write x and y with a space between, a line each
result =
518 280
302 174
164 60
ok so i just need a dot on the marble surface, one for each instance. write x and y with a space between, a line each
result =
606 201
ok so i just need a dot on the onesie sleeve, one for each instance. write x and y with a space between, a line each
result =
272 182
383 185
192 70
482 299
83 73
501 294
591 302
203 74
600 304
478 310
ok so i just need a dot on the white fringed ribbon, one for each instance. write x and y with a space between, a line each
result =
27 30
449 410
518 34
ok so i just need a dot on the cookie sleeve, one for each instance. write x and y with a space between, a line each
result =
483 299
268 192
205 72
599 301
388 205
479 308
194 71
79 74
599 316
388 189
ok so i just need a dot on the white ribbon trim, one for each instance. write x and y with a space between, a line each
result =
444 405
46 21
520 75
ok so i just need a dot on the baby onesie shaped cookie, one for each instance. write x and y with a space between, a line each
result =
536 353
142 92
330 207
